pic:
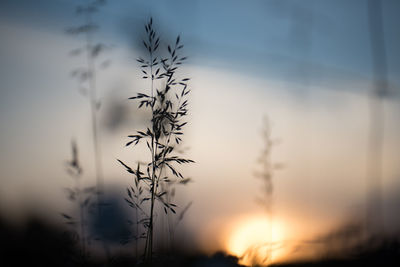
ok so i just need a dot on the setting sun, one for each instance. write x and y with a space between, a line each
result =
256 240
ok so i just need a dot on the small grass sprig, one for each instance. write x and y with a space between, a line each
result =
80 196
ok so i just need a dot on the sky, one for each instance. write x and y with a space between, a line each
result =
307 65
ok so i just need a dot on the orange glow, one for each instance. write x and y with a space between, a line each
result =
256 241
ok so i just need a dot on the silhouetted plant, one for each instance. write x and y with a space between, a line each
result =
267 167
266 200
167 100
86 77
80 196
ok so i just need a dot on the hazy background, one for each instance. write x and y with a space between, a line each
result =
307 65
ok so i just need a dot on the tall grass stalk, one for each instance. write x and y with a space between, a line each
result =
266 174
87 77
167 101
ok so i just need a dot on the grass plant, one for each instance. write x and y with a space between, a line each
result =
167 98
81 197
87 78
266 199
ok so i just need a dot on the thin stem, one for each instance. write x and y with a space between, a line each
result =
149 239
375 222
93 107
82 216
137 232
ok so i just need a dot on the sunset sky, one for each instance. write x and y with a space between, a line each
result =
306 65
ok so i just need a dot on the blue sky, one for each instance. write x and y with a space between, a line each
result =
265 38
